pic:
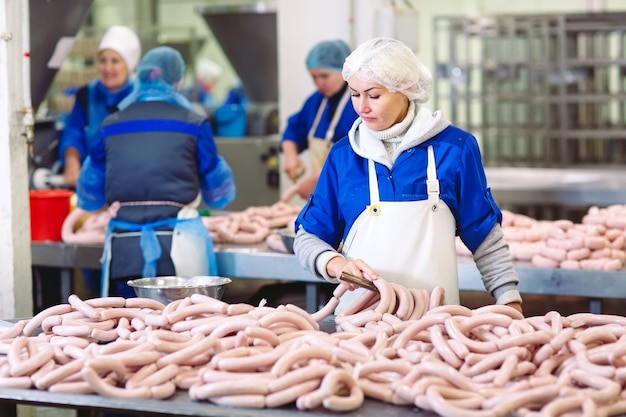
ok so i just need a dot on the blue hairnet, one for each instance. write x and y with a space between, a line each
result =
328 54
161 65
157 79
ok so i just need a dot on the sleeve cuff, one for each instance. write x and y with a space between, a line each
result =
321 262
511 296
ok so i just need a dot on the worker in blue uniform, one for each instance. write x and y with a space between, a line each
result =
397 190
118 54
150 165
324 118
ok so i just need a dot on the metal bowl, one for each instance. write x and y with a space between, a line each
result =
168 289
287 235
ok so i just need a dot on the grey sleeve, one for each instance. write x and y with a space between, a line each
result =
308 247
493 260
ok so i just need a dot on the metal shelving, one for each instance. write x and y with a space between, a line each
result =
537 90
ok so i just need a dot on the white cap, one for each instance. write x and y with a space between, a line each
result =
123 41
208 70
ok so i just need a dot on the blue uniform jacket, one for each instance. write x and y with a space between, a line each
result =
217 183
94 102
342 191
299 124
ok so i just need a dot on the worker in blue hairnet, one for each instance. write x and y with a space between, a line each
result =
151 164
325 117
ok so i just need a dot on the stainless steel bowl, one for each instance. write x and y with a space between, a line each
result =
168 289
288 236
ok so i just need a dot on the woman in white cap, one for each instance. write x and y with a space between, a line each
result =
118 54
324 118
400 187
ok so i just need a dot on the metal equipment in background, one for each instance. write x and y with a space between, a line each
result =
50 21
45 34
254 161
247 35
537 90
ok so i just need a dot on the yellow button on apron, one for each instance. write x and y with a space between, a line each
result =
374 209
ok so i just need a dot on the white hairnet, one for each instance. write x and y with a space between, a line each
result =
208 70
393 65
123 41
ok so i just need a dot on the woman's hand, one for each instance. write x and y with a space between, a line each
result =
303 189
357 267
292 164
516 306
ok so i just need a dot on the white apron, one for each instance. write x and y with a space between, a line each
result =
319 147
191 250
407 242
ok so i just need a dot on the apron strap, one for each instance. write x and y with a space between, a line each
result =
373 183
330 132
432 183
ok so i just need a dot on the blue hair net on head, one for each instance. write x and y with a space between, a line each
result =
158 74
328 54
161 65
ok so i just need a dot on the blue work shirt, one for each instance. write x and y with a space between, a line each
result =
93 103
342 191
299 124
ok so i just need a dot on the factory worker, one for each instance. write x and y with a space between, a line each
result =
118 54
325 116
151 163
207 75
401 185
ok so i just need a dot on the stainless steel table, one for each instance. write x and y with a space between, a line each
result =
257 262
180 405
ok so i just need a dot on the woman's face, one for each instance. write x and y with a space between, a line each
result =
328 82
112 69
378 107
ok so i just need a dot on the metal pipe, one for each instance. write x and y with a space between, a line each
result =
28 120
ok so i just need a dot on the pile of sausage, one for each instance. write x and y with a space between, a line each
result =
597 243
390 347
252 225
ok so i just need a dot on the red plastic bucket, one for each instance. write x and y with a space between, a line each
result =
48 210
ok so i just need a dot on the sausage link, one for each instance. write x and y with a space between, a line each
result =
103 388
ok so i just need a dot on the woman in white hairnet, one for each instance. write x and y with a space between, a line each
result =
324 118
118 54
150 164
399 188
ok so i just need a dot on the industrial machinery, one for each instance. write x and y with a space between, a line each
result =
247 35
542 90
538 91
46 35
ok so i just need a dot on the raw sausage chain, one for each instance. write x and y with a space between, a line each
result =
597 243
396 345
253 225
